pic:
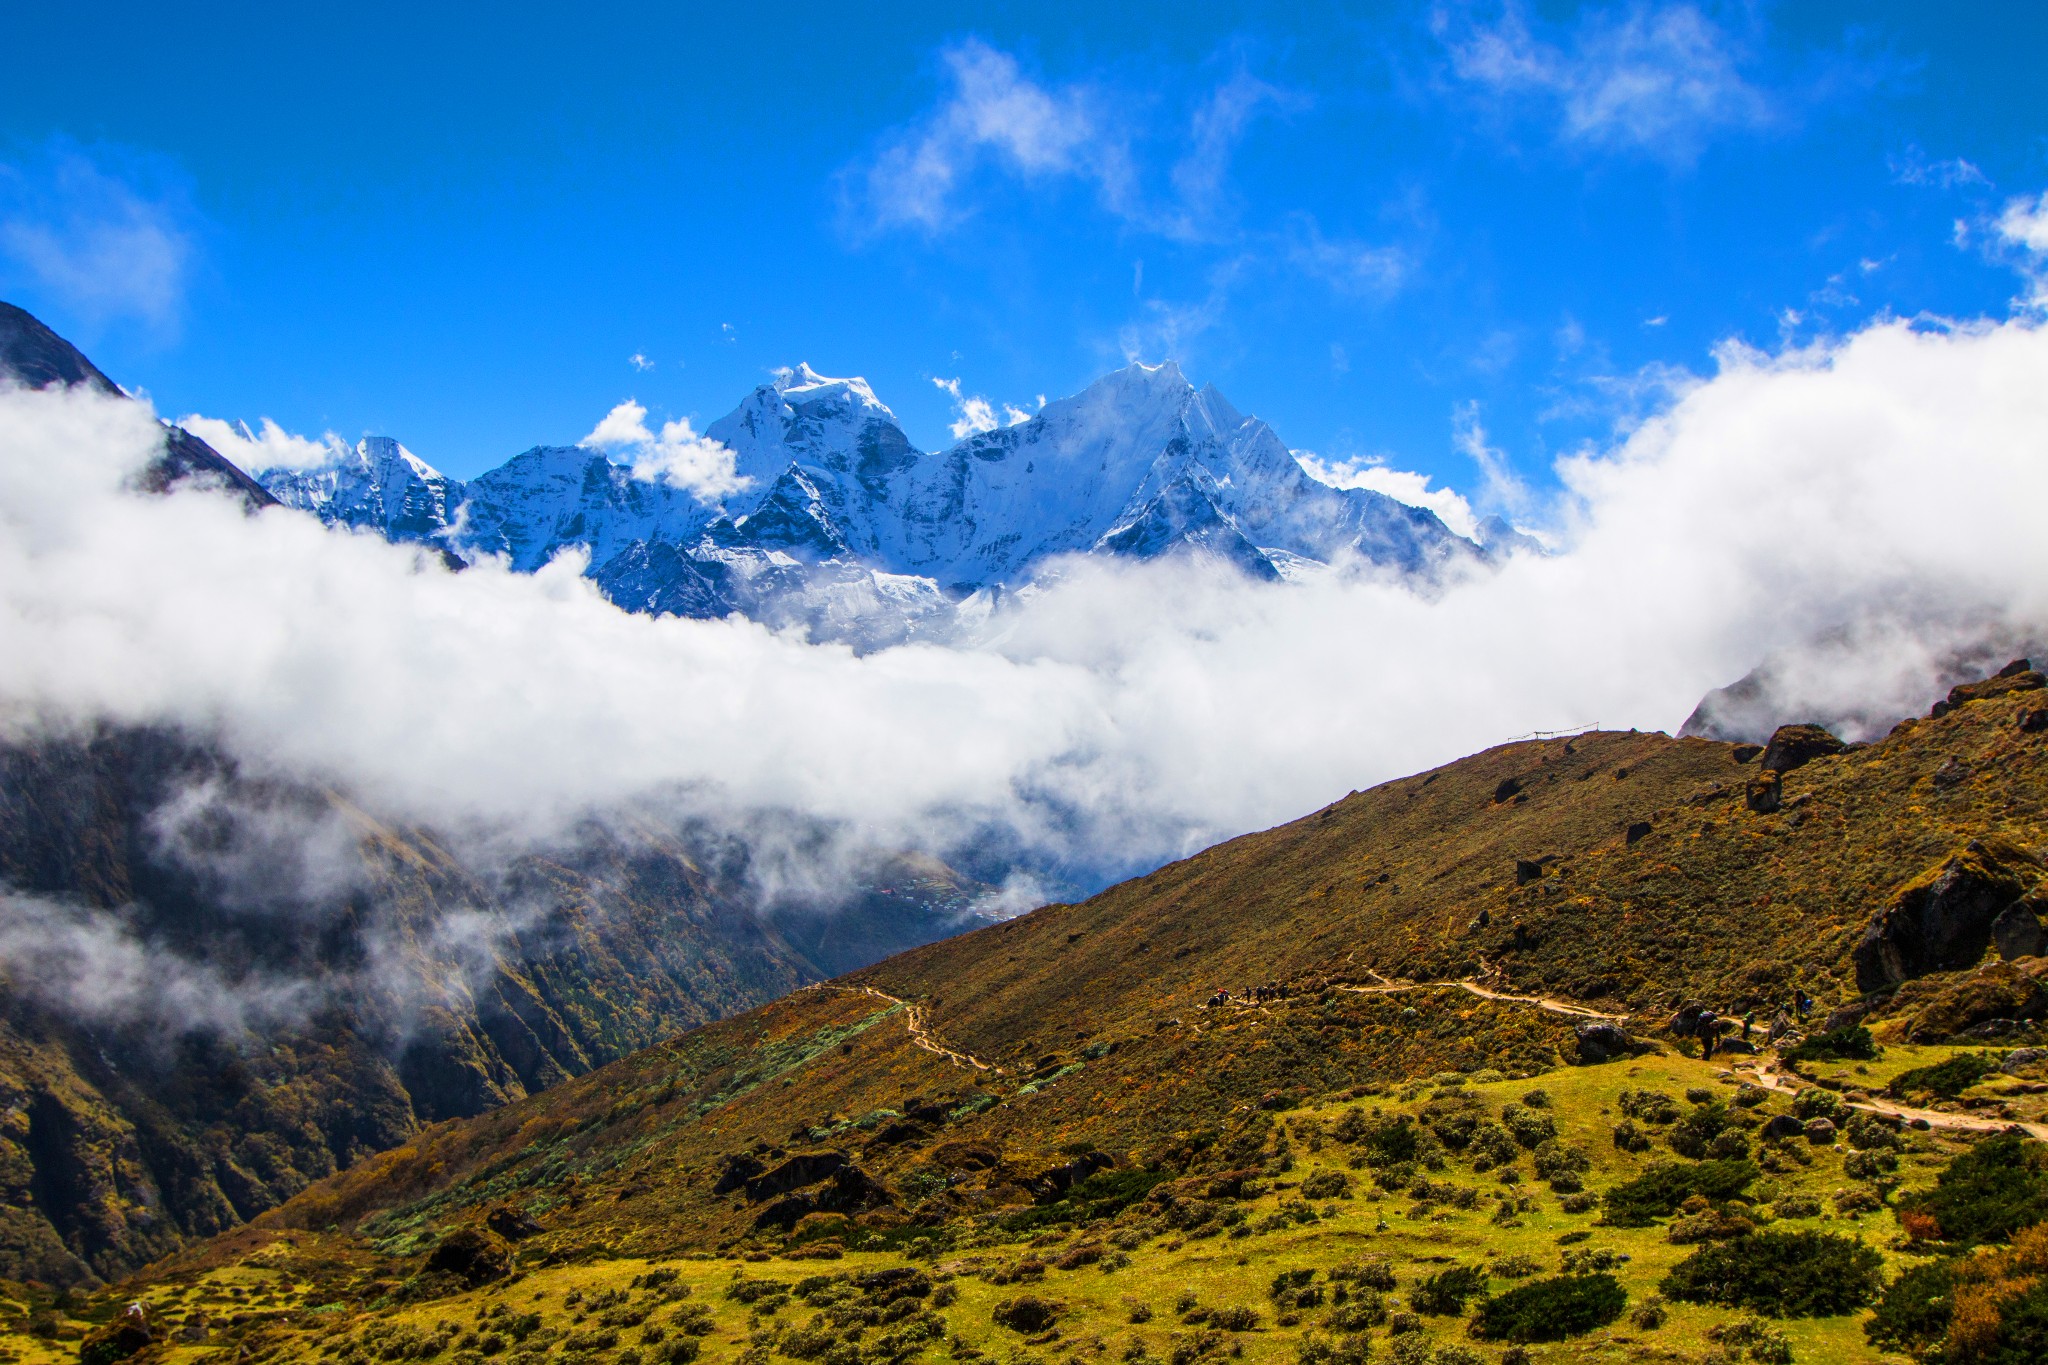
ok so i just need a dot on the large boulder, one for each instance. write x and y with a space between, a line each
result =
1600 1041
800 1170
1942 920
2017 931
1795 746
513 1224
850 1190
2017 676
471 1255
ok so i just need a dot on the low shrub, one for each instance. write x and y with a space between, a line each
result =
1816 1103
1989 1192
1850 1044
1630 1136
1444 1294
1354 1349
1947 1079
1780 1274
1371 1272
1327 1185
1529 1127
1027 1313
1914 1312
1658 1192
1649 1106
1691 1135
1551 1310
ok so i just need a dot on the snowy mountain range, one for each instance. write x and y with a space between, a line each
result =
845 528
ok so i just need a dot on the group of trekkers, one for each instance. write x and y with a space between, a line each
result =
1697 1021
1250 995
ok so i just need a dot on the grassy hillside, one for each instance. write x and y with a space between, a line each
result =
1049 1110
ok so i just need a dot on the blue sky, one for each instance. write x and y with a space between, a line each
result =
1387 229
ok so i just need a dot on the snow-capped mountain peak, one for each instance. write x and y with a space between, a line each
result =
846 528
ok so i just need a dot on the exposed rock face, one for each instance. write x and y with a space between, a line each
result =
2017 676
1795 746
1764 794
1820 1132
805 1168
472 1256
1603 1042
514 1225
1942 921
850 1190
2017 932
35 357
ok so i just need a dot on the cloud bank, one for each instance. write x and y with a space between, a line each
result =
1884 487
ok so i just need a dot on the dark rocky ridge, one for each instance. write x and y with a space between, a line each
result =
35 357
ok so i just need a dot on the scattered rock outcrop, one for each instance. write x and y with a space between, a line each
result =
850 1190
472 1256
514 1225
2017 931
1601 1041
2018 676
1942 921
1764 794
804 1168
1795 746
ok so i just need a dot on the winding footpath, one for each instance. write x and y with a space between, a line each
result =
1542 1002
1763 1071
920 1031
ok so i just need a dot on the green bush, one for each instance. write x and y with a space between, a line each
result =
1649 1106
1551 1310
1947 1079
1529 1127
1989 1192
1658 1192
1327 1185
1492 1145
1691 1135
1816 1103
1780 1274
1444 1293
1914 1312
1851 1044
1554 1159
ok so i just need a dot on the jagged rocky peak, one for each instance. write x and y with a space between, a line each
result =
376 483
816 422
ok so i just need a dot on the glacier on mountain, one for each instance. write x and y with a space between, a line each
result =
845 530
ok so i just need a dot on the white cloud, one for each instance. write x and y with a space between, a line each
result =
677 454
2024 225
1121 713
1398 484
995 113
1501 489
972 414
1013 415
92 243
268 447
1657 78
1914 168
639 361
1350 267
